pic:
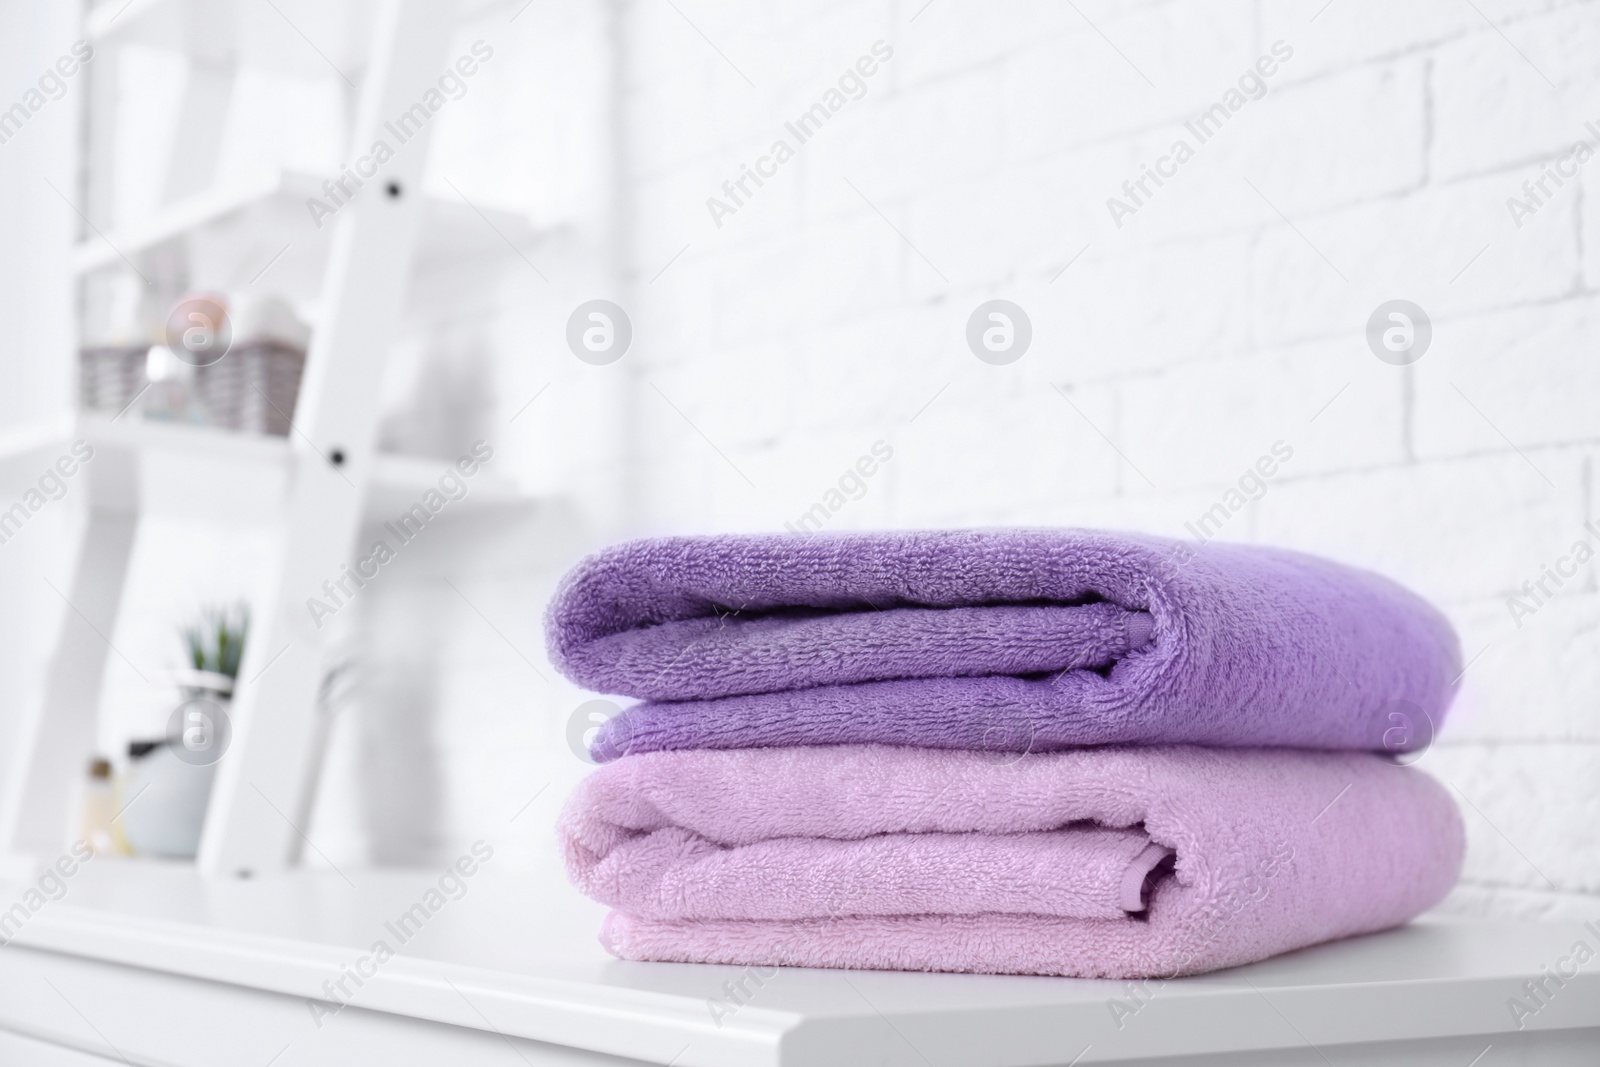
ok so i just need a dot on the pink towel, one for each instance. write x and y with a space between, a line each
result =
1114 862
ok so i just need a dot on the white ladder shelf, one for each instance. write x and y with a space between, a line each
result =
314 486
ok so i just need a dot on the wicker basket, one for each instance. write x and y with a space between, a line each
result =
110 376
253 387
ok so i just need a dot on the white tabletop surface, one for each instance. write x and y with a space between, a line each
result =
517 952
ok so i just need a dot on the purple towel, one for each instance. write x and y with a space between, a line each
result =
1106 862
1004 640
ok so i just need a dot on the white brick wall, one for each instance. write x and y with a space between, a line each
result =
1194 336
829 312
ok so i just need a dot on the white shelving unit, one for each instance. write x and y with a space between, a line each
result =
271 214
313 487
271 36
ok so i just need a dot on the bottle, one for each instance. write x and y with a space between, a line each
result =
99 809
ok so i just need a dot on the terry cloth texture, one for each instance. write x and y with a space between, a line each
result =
1002 640
1114 862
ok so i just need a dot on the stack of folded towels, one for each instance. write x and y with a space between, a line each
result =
1059 752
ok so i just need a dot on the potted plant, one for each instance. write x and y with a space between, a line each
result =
213 647
168 781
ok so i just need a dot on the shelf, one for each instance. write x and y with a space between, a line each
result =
398 482
251 33
284 35
213 474
269 218
516 954
26 449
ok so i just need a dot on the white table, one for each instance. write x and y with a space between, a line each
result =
148 964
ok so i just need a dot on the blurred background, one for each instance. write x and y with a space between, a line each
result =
652 266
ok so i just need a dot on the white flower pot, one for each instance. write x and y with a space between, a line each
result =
164 801
165 791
